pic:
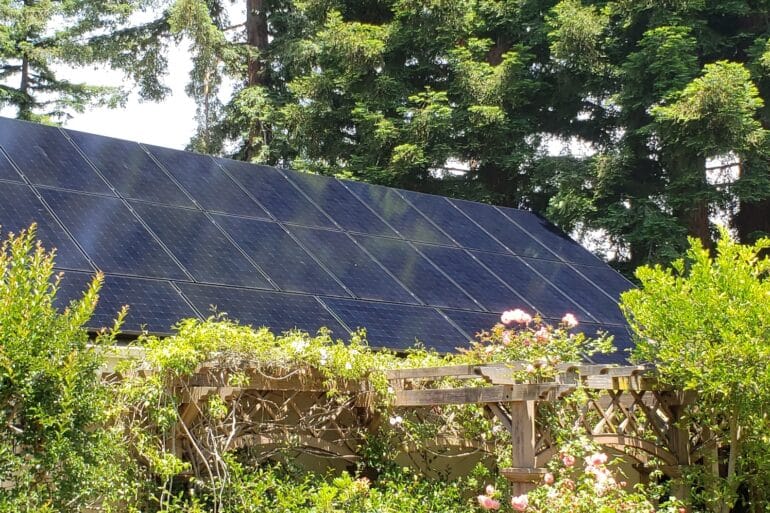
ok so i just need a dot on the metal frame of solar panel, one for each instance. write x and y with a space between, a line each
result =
178 233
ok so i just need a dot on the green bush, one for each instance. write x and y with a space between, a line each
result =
55 454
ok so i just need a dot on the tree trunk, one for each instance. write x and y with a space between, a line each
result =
257 40
25 105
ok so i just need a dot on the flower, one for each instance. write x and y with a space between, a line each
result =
490 490
506 338
596 459
542 335
569 320
348 366
396 421
548 478
487 502
520 503
299 345
518 316
530 369
568 460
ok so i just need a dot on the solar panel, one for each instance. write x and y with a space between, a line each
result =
551 237
398 326
607 279
109 233
275 310
271 246
351 265
200 246
472 322
503 229
46 157
7 172
487 289
340 204
20 207
622 340
459 226
276 194
398 213
546 299
416 273
208 183
154 305
580 290
130 169
273 249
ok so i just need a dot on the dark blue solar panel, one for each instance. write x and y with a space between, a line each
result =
622 340
130 169
552 237
287 264
19 208
592 299
208 183
397 326
544 297
337 201
153 305
276 194
416 273
607 279
7 172
472 322
46 157
109 233
453 222
351 265
276 310
398 213
472 277
493 221
200 246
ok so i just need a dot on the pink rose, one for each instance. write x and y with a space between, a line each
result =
488 502
542 335
506 338
520 503
569 320
597 459
548 478
518 316
569 484
568 460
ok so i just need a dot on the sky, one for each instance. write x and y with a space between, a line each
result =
169 123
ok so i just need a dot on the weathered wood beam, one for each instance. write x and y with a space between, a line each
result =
481 395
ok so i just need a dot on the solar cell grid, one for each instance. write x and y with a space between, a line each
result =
351 265
110 234
487 289
416 273
622 340
153 305
340 204
46 157
589 297
130 169
453 222
200 246
287 264
607 279
208 183
472 322
548 301
20 207
398 213
275 310
7 172
551 236
276 194
397 326
514 238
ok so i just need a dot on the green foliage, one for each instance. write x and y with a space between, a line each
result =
704 323
55 453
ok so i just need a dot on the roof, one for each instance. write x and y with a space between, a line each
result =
178 233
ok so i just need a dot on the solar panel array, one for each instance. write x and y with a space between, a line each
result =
179 234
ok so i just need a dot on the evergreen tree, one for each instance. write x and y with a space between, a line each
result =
37 37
